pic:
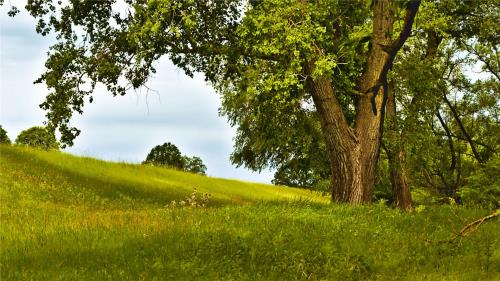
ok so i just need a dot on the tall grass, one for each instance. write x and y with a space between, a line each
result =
69 218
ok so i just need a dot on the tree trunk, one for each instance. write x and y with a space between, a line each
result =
353 160
396 156
373 83
396 151
354 152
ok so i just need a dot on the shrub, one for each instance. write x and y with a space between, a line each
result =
483 187
38 137
4 139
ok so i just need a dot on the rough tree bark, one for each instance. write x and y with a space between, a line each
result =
354 151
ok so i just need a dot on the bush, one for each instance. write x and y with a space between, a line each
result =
483 187
168 155
4 139
38 137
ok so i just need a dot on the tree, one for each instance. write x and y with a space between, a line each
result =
274 50
38 137
195 165
273 131
166 154
442 111
169 155
4 139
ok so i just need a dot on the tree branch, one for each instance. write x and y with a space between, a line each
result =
411 12
462 128
392 50
467 229
450 140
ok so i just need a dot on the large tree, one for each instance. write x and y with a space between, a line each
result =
444 107
275 51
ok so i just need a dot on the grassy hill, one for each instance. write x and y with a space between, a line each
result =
72 218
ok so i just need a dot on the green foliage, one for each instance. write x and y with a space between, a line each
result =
303 172
324 186
194 165
4 138
261 52
443 111
74 218
383 189
268 99
38 137
256 53
169 155
166 154
483 186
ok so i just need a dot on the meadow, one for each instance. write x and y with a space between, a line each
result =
74 218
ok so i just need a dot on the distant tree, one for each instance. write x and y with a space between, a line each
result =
195 165
166 154
4 139
169 155
39 137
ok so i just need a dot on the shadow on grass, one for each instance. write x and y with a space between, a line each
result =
101 181
103 187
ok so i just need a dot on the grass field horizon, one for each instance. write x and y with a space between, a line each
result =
64 217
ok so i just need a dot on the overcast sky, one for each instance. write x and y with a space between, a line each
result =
184 112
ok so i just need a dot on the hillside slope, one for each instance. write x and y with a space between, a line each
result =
63 178
71 218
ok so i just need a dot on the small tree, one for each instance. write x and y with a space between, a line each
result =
169 155
166 154
195 165
4 139
39 137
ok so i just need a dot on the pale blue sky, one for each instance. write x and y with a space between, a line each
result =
184 112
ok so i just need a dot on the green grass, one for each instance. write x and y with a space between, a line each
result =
72 218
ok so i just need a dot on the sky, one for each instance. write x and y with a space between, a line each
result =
184 111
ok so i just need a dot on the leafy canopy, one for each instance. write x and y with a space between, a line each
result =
38 137
256 48
195 165
169 155
4 138
166 154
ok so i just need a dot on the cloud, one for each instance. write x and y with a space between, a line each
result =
184 111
